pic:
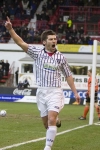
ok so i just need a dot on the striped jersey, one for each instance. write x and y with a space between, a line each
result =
48 69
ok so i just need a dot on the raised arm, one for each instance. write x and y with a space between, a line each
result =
18 40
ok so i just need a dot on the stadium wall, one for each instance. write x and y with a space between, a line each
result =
12 52
28 95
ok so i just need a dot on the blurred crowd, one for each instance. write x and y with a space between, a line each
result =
15 9
4 68
25 9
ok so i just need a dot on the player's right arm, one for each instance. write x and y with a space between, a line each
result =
18 40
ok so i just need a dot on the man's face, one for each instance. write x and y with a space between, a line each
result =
50 43
89 73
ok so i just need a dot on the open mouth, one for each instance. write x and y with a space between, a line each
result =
53 46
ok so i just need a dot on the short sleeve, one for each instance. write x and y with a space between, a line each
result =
32 51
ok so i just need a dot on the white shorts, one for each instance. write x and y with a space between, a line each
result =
49 99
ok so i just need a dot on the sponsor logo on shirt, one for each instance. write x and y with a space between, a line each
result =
50 66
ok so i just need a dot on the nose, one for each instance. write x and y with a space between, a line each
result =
54 41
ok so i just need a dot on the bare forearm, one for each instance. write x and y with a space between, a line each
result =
72 86
70 82
18 40
15 37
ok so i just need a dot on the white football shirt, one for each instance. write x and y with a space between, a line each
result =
48 69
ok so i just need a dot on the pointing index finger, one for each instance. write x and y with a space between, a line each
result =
8 19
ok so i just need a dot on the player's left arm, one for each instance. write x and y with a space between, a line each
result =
65 68
70 82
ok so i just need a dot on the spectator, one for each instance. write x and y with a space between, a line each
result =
47 16
49 7
29 38
2 28
7 65
43 15
79 41
23 15
54 8
69 23
44 7
12 12
2 40
26 83
20 85
34 6
59 40
31 31
15 3
52 26
1 72
68 33
28 12
5 14
3 64
3 37
70 40
74 32
80 5
18 31
16 75
90 41
38 15
18 11
83 72
81 31
30 35
24 32
25 4
63 40
60 30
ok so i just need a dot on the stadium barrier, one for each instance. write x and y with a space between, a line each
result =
29 95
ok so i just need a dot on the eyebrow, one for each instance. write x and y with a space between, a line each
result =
52 38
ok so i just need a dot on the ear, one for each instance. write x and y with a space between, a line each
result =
44 42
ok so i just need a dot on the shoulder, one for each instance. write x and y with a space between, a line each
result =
62 56
35 48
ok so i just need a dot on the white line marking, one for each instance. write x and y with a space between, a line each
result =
40 139
97 123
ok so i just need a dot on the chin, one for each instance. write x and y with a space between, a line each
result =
53 49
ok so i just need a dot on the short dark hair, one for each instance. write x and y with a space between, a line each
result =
45 34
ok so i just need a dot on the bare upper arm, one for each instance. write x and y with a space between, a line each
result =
24 46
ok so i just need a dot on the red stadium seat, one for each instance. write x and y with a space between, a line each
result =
2 81
16 23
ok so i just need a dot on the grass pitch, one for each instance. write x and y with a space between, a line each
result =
23 123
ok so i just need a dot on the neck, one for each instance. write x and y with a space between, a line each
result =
48 51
